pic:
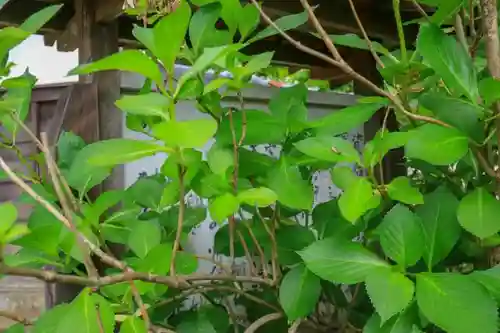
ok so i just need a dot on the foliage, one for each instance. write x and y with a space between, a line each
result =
416 253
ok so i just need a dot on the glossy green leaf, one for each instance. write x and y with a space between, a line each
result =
346 119
223 206
8 216
261 128
446 298
196 324
341 261
10 37
38 20
446 9
128 60
15 232
406 322
186 134
202 30
111 152
220 159
299 292
441 230
68 147
344 177
381 144
260 197
174 25
133 325
356 42
489 89
437 145
326 148
152 104
284 23
357 199
401 236
390 292
478 213
490 279
449 60
249 20
144 236
292 190
400 189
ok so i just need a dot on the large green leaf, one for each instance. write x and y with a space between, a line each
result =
261 128
8 216
478 213
186 134
293 191
128 60
299 292
390 292
437 145
400 189
327 148
406 322
449 60
133 325
381 144
457 112
347 119
36 21
10 37
258 197
171 27
249 20
284 23
223 206
144 236
118 151
401 236
490 279
341 261
220 159
445 10
151 104
357 199
441 230
456 303
202 30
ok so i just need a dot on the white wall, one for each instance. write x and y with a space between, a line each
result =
46 63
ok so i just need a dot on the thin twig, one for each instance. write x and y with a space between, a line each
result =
259 249
180 219
419 9
274 247
262 321
15 317
243 119
232 220
365 35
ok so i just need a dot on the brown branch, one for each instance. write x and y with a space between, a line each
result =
262 321
419 9
259 250
15 317
232 220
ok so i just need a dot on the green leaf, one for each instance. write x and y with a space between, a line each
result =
381 144
460 113
128 60
186 134
223 206
441 230
331 149
87 313
118 151
185 263
449 60
17 328
36 21
490 279
257 63
445 10
446 298
10 37
133 325
437 145
478 213
146 37
15 232
202 30
19 91
49 320
68 147
406 322
400 189
8 216
284 23
489 89
357 199
390 292
401 236
198 323
260 197
341 261
299 292
261 128
292 190
151 104
220 159
144 236
248 21
344 177
174 25
346 119
356 42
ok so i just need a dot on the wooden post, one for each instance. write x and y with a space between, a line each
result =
95 117
392 165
